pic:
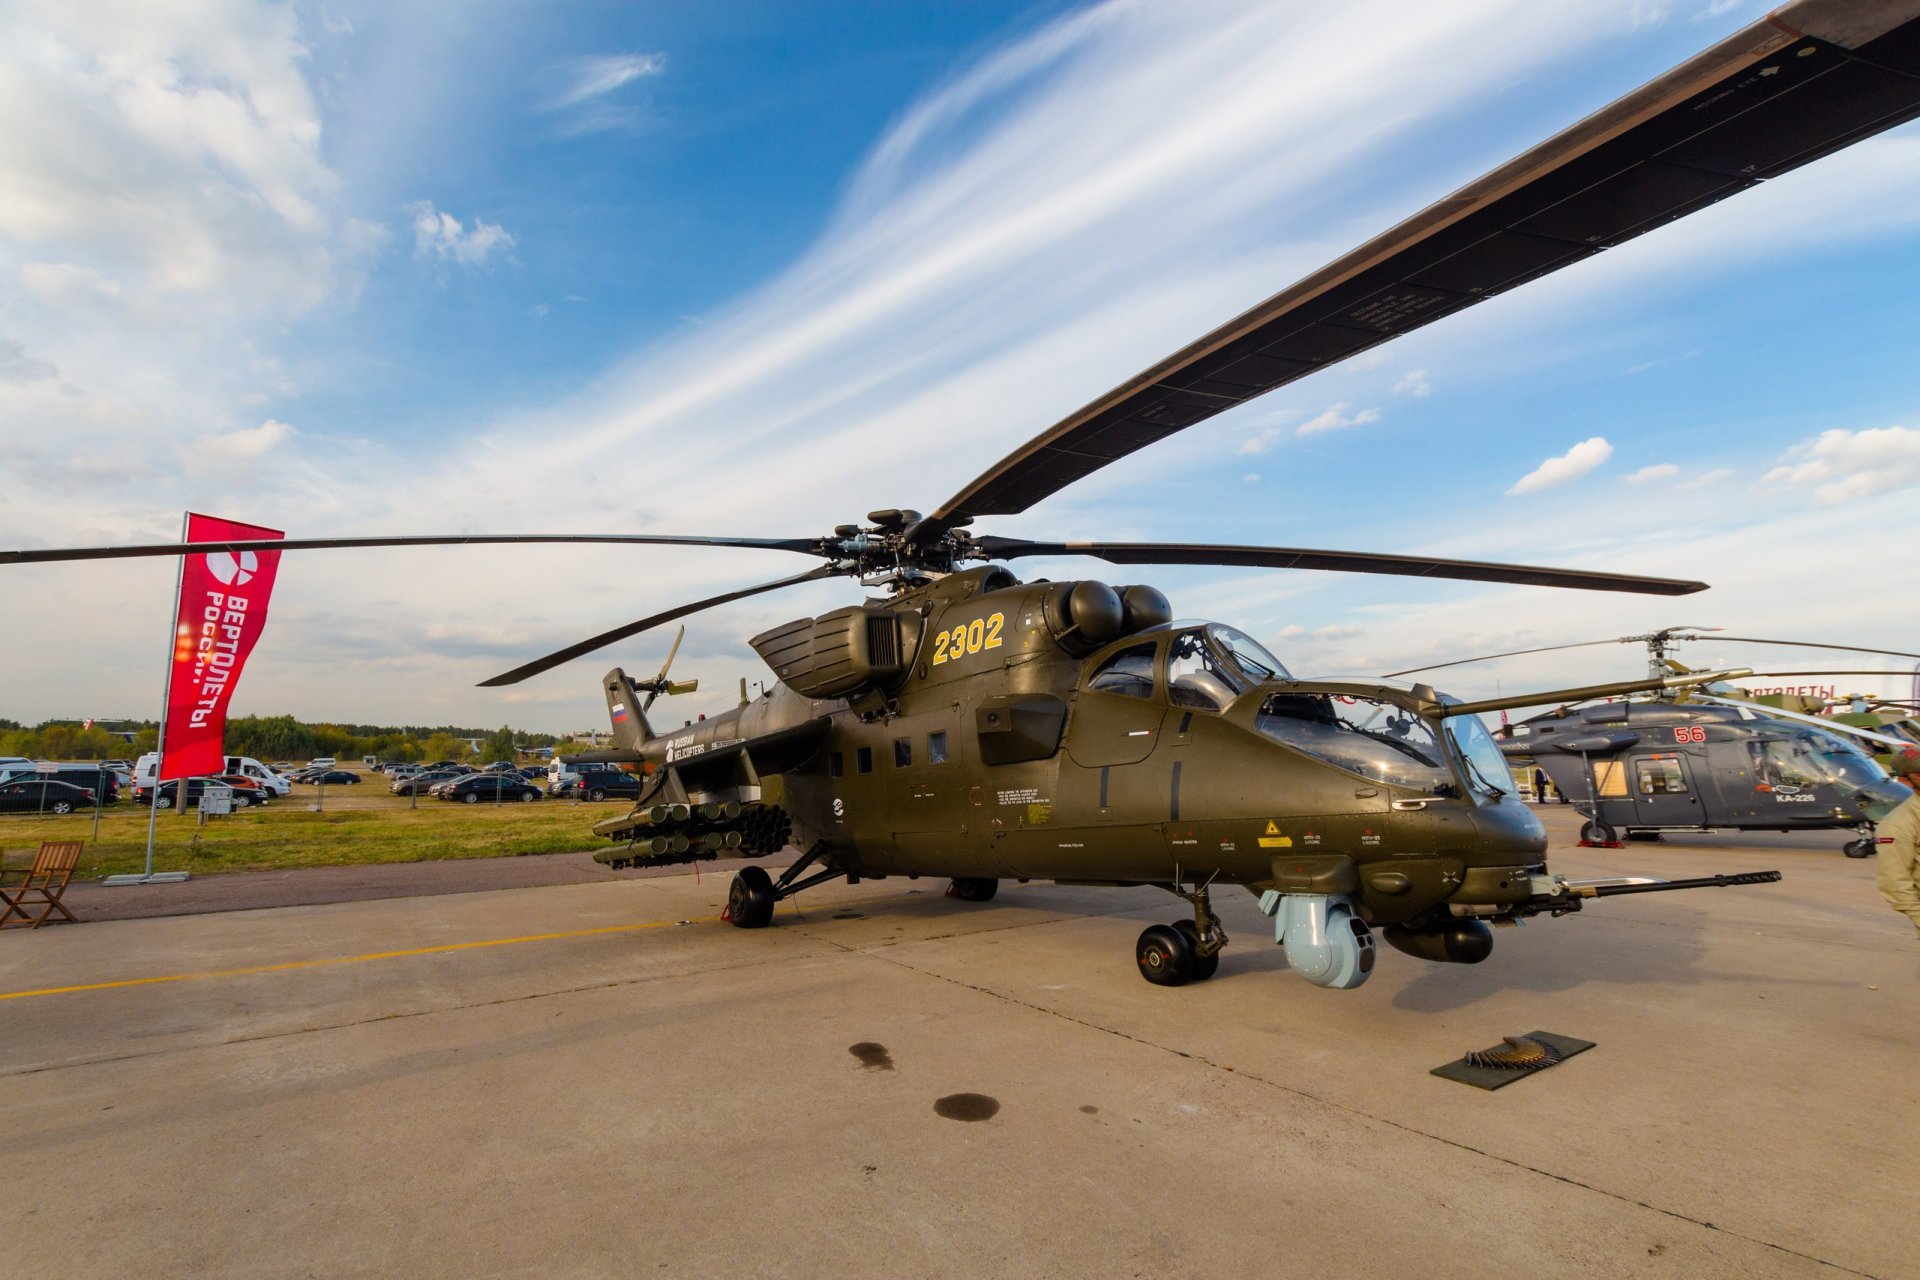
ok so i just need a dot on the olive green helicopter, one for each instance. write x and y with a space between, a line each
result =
967 725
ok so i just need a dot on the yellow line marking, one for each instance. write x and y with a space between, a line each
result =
372 955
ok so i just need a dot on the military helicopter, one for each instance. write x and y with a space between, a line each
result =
972 726
1704 756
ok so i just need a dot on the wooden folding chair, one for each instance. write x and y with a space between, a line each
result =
42 885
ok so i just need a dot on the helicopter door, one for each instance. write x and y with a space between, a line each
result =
1663 791
1117 715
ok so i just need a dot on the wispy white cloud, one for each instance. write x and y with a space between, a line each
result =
1569 466
1843 466
1659 471
1705 480
249 442
593 77
1337 418
1414 383
443 237
589 98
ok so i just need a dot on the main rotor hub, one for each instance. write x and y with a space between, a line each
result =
884 552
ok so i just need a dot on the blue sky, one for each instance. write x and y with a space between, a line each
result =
758 269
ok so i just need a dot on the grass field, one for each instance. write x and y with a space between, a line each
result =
358 824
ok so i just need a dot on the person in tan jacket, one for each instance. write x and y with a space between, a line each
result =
1898 871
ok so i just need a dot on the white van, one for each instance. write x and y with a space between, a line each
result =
561 772
247 766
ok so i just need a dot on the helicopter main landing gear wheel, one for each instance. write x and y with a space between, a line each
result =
1599 833
972 888
1864 847
750 899
1164 955
1172 955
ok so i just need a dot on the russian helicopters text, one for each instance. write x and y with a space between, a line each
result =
973 726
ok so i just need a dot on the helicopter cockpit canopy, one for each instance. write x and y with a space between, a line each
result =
1205 666
1810 757
1377 739
1209 666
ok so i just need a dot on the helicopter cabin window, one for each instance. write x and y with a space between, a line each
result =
902 753
836 765
937 747
863 760
1609 778
1128 673
1381 741
1195 677
1659 776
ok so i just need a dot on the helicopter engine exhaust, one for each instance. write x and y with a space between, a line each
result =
1327 942
1454 942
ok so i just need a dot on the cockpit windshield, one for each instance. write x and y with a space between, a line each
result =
1246 653
1378 740
1486 768
1810 757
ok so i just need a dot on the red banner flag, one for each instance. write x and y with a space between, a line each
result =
223 609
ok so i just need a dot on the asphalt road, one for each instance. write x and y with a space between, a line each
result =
601 1079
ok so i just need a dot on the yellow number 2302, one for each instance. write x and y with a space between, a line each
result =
968 637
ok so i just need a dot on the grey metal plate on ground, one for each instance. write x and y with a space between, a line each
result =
1459 1069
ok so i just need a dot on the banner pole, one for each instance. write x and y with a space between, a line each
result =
160 743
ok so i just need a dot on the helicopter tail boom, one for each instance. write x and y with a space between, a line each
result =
624 707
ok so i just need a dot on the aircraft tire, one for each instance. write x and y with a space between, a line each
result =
1204 967
750 899
1164 955
1861 848
973 888
1599 833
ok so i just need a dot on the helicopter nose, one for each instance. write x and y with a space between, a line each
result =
1876 800
1509 832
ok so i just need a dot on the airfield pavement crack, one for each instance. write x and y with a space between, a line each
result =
1347 1108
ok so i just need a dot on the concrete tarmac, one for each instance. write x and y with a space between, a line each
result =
618 1084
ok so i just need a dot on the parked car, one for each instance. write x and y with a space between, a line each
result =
476 787
420 783
89 775
602 784
256 791
43 795
333 777
170 793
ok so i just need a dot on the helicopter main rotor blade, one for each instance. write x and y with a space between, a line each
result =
806 546
1810 78
1511 653
573 651
1807 644
1777 674
1338 561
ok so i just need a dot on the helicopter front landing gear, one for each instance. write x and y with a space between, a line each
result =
751 897
1864 846
1600 835
972 888
1171 955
